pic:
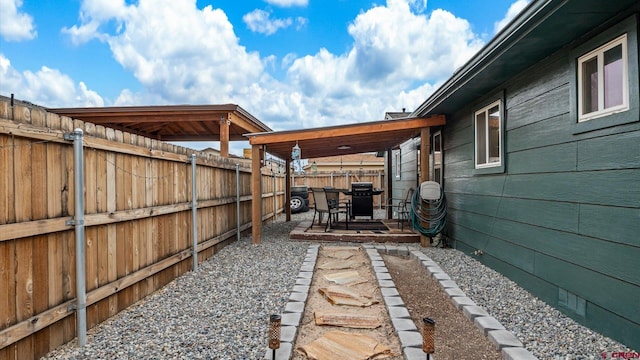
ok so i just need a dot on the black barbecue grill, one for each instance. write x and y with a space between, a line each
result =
362 199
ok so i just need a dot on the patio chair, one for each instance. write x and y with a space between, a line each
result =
403 207
333 200
321 206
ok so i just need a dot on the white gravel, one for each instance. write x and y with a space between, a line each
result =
222 311
543 330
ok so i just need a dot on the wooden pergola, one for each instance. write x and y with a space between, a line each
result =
335 140
223 123
229 122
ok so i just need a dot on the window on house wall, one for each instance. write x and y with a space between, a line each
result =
397 162
437 157
488 128
603 86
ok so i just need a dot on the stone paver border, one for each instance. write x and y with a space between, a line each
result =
410 337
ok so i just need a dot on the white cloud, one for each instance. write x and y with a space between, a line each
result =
260 21
384 62
179 53
513 11
47 87
288 3
184 55
14 25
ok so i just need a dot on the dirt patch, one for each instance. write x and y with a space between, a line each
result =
456 337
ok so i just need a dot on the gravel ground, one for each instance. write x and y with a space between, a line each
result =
222 311
544 331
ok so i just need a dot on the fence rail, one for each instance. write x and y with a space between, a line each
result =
138 221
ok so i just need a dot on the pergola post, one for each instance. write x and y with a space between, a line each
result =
425 148
287 190
224 136
256 191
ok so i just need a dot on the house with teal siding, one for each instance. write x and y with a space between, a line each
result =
540 158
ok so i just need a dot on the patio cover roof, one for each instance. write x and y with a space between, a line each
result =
173 122
344 139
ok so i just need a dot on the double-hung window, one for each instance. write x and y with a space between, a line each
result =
603 86
488 131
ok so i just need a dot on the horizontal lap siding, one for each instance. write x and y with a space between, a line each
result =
565 214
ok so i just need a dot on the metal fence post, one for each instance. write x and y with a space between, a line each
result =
194 212
78 220
238 220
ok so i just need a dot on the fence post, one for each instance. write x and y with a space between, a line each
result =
275 200
194 212
238 201
78 220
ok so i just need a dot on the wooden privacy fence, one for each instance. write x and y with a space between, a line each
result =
343 180
138 222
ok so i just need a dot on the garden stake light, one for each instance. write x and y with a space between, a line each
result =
428 330
274 333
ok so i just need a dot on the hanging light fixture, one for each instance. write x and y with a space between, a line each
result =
295 152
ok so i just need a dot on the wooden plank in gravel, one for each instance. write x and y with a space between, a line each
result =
345 319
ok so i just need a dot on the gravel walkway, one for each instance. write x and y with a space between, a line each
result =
222 311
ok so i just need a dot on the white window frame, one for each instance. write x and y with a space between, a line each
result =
599 54
485 110
397 160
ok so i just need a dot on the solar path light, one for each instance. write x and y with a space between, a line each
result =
428 330
274 333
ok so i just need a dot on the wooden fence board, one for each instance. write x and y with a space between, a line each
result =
68 279
40 290
6 177
7 285
24 291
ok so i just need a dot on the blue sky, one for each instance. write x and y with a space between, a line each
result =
290 63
